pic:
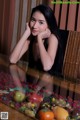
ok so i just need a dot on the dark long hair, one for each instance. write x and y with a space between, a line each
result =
49 16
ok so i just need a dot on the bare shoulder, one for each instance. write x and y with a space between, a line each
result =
52 39
52 46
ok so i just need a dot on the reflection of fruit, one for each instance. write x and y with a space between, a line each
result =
19 96
46 114
29 112
35 97
60 113
31 105
76 112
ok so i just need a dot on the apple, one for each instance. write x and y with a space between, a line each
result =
36 97
19 96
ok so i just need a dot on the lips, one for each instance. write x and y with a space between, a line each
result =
34 32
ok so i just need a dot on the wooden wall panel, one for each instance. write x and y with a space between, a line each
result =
15 26
67 15
1 21
71 17
6 26
57 11
78 21
63 16
10 26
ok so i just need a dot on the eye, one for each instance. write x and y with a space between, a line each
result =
32 19
40 22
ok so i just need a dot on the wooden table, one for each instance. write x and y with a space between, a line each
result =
61 86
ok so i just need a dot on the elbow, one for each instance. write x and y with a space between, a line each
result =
12 61
48 67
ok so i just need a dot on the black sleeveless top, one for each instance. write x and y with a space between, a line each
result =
58 63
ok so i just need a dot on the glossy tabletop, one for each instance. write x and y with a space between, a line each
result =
35 84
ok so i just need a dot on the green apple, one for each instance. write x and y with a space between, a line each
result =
19 96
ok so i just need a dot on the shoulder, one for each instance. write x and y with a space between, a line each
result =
52 39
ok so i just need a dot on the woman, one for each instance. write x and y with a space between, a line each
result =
40 38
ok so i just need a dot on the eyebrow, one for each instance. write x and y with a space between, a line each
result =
39 20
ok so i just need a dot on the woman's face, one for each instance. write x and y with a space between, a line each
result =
38 23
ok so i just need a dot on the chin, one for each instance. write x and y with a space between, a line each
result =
34 34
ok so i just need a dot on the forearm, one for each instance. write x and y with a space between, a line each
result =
15 76
44 56
18 50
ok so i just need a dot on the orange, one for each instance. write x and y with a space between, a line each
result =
60 113
46 114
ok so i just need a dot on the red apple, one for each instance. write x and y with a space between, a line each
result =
35 97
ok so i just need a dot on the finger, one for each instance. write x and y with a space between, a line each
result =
49 31
26 25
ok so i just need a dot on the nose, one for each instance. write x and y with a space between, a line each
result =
35 25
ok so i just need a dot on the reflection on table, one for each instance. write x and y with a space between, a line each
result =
36 85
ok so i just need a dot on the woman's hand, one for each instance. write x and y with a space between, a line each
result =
44 34
28 29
